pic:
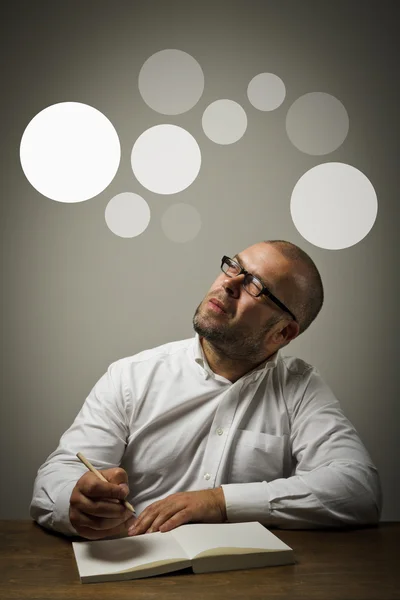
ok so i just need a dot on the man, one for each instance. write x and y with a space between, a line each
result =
219 427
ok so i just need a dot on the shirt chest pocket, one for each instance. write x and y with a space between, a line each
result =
257 457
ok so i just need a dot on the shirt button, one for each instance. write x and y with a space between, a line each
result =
220 431
207 476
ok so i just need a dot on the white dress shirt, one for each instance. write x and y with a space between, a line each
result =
276 440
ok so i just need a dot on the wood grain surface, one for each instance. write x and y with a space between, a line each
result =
352 564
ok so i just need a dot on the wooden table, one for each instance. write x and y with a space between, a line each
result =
360 564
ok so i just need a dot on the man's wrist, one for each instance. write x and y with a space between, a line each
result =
220 498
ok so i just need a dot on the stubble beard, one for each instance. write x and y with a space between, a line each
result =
233 340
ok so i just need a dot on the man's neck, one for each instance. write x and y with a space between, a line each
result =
226 366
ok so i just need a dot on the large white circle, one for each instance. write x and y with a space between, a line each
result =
317 123
70 152
333 206
224 121
171 82
266 91
166 159
181 223
127 215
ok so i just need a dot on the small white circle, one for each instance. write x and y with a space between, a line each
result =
317 123
266 91
166 159
333 206
171 82
70 152
181 223
207 476
224 121
127 215
220 431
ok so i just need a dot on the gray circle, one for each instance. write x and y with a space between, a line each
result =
181 223
224 121
166 159
171 82
333 205
127 215
266 91
317 123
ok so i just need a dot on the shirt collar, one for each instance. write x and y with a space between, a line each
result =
260 370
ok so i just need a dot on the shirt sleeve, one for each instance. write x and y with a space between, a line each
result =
99 431
334 482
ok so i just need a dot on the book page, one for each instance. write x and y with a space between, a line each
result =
226 538
114 556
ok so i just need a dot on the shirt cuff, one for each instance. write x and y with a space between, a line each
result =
60 517
247 502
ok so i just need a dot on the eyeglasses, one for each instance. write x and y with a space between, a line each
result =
251 283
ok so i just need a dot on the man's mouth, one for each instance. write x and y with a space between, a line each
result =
216 305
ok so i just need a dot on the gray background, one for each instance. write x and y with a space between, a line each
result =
75 297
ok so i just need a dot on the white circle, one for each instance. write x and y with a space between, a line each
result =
171 82
166 159
317 123
181 223
266 91
127 214
224 121
333 206
70 152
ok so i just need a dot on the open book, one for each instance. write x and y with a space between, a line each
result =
203 547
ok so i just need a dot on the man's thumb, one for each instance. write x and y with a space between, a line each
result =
117 475
124 489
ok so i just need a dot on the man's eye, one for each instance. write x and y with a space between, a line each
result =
237 266
254 287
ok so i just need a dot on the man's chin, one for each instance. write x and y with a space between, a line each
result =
208 324
204 330
211 334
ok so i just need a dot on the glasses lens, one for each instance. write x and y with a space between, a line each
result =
252 285
230 267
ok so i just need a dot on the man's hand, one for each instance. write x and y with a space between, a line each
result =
95 507
205 506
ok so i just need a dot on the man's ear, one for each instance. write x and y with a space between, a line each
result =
287 333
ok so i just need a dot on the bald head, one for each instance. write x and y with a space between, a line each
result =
301 282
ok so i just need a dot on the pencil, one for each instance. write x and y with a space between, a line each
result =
100 476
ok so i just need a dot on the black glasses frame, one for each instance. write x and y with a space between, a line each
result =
264 291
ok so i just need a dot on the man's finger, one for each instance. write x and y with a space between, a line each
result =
96 534
180 518
93 487
162 518
154 516
143 523
101 508
103 523
116 475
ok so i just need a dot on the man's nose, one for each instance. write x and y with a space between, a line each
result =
233 285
